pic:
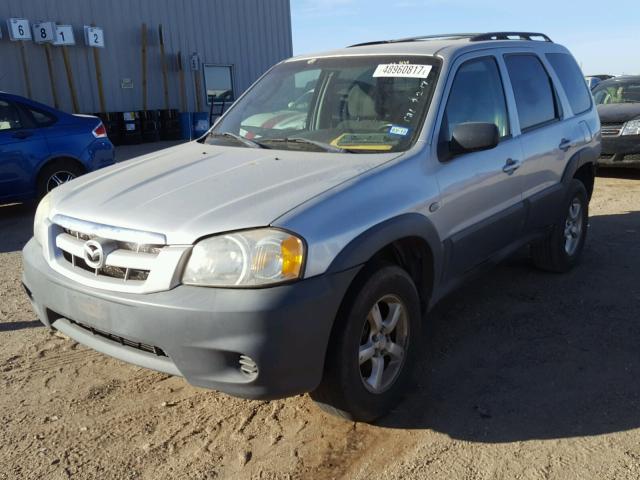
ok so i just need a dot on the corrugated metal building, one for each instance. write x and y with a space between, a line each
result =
236 41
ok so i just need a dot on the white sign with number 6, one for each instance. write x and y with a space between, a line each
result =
19 29
64 35
44 32
94 37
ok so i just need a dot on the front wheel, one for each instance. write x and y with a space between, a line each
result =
562 248
57 173
371 347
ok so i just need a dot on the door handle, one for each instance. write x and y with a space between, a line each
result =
22 135
511 166
565 144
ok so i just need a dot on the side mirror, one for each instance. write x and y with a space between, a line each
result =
473 136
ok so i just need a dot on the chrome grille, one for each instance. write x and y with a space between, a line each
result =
125 260
611 129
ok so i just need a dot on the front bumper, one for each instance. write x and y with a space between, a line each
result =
621 150
199 333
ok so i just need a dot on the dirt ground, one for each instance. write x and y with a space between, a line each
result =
523 375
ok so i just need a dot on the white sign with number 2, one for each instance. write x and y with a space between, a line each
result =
94 37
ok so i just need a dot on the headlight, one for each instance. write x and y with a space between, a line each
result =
242 259
632 127
40 221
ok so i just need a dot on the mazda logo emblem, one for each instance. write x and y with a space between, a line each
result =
93 254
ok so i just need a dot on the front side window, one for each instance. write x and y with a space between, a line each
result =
533 90
572 81
617 91
9 116
341 104
476 95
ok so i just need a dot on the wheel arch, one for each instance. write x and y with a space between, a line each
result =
582 166
409 241
51 161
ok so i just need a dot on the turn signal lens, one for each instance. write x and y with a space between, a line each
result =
292 252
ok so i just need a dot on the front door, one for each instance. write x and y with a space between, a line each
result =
481 209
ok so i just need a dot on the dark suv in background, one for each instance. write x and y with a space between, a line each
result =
618 101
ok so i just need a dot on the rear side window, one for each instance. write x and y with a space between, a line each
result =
532 88
41 118
477 95
9 116
572 81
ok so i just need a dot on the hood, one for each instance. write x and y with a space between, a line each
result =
618 112
193 190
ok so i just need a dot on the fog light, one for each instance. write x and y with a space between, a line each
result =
248 366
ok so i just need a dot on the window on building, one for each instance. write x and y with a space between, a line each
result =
532 87
9 116
218 82
572 81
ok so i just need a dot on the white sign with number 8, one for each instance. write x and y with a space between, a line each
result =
94 37
19 29
44 32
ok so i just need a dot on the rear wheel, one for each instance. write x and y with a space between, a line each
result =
372 346
562 248
57 173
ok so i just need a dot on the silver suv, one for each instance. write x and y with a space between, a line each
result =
299 244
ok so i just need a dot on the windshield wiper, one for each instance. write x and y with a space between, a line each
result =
245 141
324 146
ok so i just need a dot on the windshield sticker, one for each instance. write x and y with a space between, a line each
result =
398 130
402 70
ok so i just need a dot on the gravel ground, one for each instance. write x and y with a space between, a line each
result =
523 375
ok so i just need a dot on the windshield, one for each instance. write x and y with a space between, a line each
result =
617 92
338 104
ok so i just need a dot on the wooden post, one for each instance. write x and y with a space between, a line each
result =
52 75
163 62
183 92
72 86
25 69
96 61
196 76
144 66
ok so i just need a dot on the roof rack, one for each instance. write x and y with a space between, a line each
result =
532 36
473 37
417 39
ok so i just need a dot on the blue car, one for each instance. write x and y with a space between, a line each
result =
41 148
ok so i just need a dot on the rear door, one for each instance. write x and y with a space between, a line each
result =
22 148
549 133
481 209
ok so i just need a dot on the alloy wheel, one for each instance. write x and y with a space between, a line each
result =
573 227
384 341
58 178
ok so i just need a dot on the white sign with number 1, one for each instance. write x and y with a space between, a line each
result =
64 35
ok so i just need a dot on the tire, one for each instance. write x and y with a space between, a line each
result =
348 387
557 252
56 173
